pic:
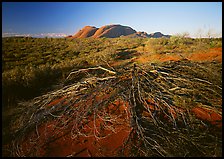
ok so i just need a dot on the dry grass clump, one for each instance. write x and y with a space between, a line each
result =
159 101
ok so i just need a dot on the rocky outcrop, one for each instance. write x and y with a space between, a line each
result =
87 31
139 35
114 31
158 35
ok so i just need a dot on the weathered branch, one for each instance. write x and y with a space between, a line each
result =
94 68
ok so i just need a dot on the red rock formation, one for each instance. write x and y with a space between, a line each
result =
113 31
109 31
87 31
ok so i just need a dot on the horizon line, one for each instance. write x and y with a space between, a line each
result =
62 35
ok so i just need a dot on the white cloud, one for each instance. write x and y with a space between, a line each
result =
41 35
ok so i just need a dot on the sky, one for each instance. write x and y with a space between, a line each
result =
58 19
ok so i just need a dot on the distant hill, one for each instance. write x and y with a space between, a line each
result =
114 31
87 31
145 35
139 35
159 35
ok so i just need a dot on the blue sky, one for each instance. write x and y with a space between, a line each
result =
66 18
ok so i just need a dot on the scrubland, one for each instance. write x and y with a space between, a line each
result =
153 97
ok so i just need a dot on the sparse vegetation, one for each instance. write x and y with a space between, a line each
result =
166 71
35 64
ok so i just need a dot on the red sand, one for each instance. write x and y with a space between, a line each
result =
201 113
208 115
212 54
109 135
63 145
54 102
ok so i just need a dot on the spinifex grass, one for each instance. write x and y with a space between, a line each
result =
159 101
